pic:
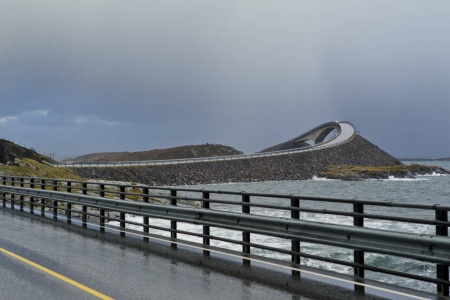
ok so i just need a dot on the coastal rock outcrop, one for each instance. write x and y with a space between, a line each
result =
343 172
304 165
10 151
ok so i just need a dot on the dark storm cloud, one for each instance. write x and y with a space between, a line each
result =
138 75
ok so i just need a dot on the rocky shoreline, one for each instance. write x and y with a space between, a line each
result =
363 173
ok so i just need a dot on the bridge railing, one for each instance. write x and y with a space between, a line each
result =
248 217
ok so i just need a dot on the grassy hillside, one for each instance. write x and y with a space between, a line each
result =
31 168
10 151
193 151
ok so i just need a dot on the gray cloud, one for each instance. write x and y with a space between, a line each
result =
117 76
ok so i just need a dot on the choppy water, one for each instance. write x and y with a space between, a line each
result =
423 190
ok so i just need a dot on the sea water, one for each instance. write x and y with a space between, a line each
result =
430 189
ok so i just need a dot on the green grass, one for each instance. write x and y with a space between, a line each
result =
344 169
30 168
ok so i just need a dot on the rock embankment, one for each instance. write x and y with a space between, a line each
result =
299 166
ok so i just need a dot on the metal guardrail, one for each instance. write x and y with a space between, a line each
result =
73 199
324 145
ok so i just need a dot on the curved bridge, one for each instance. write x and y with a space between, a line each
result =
317 136
344 131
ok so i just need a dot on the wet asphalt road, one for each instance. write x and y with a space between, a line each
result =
114 267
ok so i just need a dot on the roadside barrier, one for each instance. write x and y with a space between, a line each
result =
102 202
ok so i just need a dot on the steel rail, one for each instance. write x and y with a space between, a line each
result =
43 193
385 203
430 248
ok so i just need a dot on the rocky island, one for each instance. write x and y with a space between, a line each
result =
343 172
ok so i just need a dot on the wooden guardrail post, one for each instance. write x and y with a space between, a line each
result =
31 198
206 228
102 211
245 234
21 198
145 219
122 214
84 207
295 244
442 270
42 199
173 224
54 202
12 197
3 194
69 205
358 255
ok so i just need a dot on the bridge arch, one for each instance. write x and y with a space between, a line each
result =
314 137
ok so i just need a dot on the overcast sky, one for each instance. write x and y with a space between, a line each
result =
106 75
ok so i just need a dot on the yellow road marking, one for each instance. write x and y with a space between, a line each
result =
59 276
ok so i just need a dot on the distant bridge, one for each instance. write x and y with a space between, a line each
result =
344 132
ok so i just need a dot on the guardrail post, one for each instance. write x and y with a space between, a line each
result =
69 205
246 235
12 181
84 207
4 180
55 203
84 188
358 255
55 209
21 196
12 200
442 270
146 219
84 216
206 228
173 224
102 211
42 199
32 198
4 199
295 244
122 214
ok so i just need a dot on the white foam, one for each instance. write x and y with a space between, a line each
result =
392 178
321 178
434 174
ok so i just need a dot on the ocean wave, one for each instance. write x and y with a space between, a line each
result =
321 178
392 178
434 174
